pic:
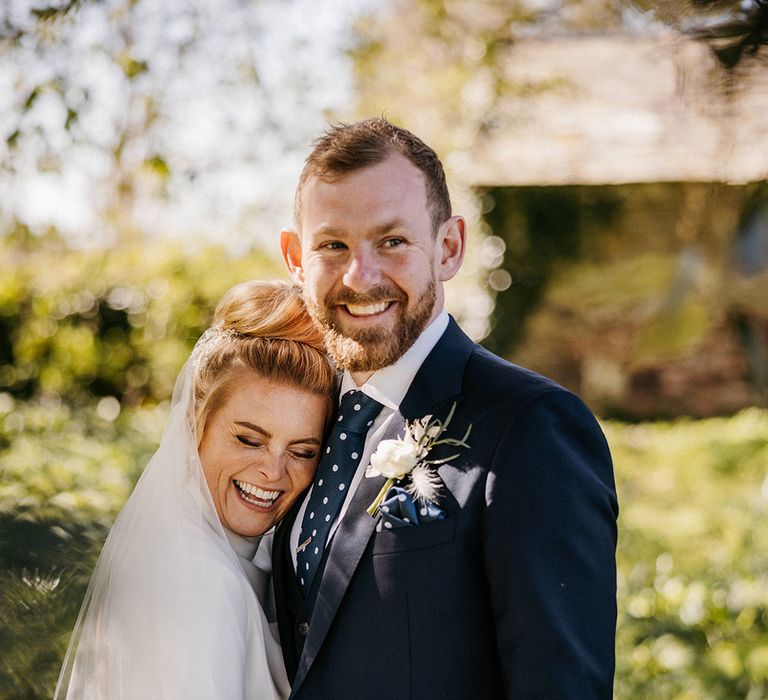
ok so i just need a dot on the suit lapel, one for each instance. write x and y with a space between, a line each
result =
436 384
438 381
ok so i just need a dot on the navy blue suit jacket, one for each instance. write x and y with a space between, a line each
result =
512 595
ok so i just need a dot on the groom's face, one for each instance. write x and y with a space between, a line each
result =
370 262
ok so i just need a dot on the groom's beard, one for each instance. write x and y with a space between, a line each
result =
369 349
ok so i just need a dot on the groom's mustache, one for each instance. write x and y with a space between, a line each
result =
373 296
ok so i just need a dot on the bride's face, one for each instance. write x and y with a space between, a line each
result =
260 450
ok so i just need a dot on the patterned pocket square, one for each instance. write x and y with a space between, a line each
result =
398 509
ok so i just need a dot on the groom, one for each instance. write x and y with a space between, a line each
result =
503 583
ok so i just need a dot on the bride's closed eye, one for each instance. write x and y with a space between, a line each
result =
304 454
249 441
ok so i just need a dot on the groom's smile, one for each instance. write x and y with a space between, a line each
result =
380 308
367 309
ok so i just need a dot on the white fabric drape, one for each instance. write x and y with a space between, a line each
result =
171 610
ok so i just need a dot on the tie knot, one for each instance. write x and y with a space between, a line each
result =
357 411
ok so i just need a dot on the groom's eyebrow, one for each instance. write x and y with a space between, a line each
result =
252 426
389 226
381 229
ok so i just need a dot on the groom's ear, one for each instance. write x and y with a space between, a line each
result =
290 247
451 243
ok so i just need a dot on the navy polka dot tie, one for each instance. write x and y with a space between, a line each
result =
334 474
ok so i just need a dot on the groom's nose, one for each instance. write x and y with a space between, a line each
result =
363 270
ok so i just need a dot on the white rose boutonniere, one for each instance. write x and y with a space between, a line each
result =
407 457
394 459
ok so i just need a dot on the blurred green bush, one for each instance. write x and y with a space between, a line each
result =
693 558
120 322
64 474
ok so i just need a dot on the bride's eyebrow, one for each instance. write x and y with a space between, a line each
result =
255 428
306 441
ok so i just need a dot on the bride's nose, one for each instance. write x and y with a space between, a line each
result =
272 467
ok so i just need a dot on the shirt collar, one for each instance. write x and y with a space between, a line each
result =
390 384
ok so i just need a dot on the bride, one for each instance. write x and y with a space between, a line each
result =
176 607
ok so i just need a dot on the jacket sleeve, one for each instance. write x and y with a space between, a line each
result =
549 551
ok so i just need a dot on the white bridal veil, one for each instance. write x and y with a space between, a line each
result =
171 611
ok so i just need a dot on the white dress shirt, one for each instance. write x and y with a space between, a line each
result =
388 386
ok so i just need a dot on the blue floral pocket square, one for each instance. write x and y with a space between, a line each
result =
398 509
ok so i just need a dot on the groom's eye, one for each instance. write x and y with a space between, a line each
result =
332 245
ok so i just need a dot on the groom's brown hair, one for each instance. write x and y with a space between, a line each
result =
345 148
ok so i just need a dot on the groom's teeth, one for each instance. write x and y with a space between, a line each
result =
367 309
256 495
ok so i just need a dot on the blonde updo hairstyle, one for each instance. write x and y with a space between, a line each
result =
261 326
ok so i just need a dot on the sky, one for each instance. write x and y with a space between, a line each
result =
233 93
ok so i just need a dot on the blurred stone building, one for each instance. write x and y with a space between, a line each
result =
622 178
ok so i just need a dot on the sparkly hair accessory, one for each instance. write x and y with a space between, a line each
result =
207 342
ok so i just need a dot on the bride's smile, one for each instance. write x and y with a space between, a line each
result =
252 494
260 449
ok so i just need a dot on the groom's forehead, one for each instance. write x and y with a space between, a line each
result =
376 198
395 169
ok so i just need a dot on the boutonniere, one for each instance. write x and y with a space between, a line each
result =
406 456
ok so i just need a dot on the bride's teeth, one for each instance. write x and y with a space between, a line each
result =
256 492
367 309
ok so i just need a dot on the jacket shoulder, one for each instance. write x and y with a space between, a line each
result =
498 378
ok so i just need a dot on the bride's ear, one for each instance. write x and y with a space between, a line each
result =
290 247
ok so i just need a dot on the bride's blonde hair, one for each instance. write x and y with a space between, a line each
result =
261 326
